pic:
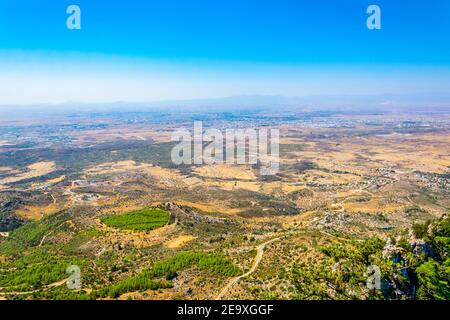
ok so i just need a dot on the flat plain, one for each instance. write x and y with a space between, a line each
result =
77 190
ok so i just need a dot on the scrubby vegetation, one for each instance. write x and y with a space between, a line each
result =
433 263
211 262
31 264
341 274
160 274
31 233
34 270
411 267
141 220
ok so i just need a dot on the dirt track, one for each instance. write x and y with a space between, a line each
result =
258 257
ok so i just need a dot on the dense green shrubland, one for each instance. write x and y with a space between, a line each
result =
34 270
160 274
141 220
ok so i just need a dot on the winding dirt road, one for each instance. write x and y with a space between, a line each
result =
47 287
258 257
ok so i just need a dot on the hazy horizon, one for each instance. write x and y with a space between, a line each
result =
149 52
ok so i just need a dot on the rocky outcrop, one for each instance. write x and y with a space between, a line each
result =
190 214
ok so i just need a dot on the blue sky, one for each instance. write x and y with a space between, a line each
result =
150 50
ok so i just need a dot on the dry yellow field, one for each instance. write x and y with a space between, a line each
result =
226 172
33 171
179 241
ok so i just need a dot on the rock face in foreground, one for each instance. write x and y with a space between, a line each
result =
421 263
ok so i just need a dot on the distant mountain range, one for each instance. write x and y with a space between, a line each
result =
432 102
